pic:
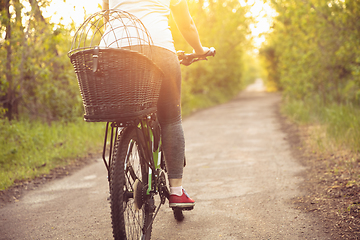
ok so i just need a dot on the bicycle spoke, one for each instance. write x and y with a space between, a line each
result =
133 222
131 171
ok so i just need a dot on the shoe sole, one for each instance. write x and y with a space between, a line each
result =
181 205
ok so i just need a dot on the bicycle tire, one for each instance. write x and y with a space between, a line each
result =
127 222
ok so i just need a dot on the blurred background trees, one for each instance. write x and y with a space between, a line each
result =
313 50
36 77
312 54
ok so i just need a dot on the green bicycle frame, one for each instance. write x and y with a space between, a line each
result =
156 155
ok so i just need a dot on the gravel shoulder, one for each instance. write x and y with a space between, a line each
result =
328 196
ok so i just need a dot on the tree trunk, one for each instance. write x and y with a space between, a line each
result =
36 9
9 78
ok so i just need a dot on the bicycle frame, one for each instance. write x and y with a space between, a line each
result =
150 144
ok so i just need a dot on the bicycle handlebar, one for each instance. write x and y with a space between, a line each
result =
189 58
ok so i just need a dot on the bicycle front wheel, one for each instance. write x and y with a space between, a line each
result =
130 206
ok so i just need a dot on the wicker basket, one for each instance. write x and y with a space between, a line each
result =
116 85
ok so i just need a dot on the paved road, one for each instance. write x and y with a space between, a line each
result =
240 172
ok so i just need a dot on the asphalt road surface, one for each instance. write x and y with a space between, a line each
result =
240 172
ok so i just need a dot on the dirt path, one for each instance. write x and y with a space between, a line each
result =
240 172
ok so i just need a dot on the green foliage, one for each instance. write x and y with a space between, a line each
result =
312 54
40 82
313 50
270 63
223 25
29 149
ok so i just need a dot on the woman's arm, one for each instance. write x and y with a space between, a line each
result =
187 26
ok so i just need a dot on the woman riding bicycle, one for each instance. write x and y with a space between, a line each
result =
154 14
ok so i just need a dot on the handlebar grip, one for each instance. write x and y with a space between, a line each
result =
187 59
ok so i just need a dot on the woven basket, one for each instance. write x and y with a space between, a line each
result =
116 85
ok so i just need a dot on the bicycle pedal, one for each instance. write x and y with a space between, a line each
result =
188 208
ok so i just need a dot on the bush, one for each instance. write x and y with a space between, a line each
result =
29 149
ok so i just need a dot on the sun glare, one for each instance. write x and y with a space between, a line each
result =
71 10
77 10
263 15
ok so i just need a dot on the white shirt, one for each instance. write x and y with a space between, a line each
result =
154 14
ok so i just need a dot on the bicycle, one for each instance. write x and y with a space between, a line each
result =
135 163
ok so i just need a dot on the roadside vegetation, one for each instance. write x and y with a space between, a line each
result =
312 55
41 125
31 148
340 123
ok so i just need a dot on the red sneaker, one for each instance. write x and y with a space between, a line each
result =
183 201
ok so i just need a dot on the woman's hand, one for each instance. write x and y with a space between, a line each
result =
202 51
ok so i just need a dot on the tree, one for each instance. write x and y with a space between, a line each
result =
315 46
7 99
38 78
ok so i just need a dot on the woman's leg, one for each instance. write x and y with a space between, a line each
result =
169 114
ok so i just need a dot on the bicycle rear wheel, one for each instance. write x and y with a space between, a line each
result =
128 184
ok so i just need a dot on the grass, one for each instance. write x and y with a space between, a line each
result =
30 149
341 123
334 131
